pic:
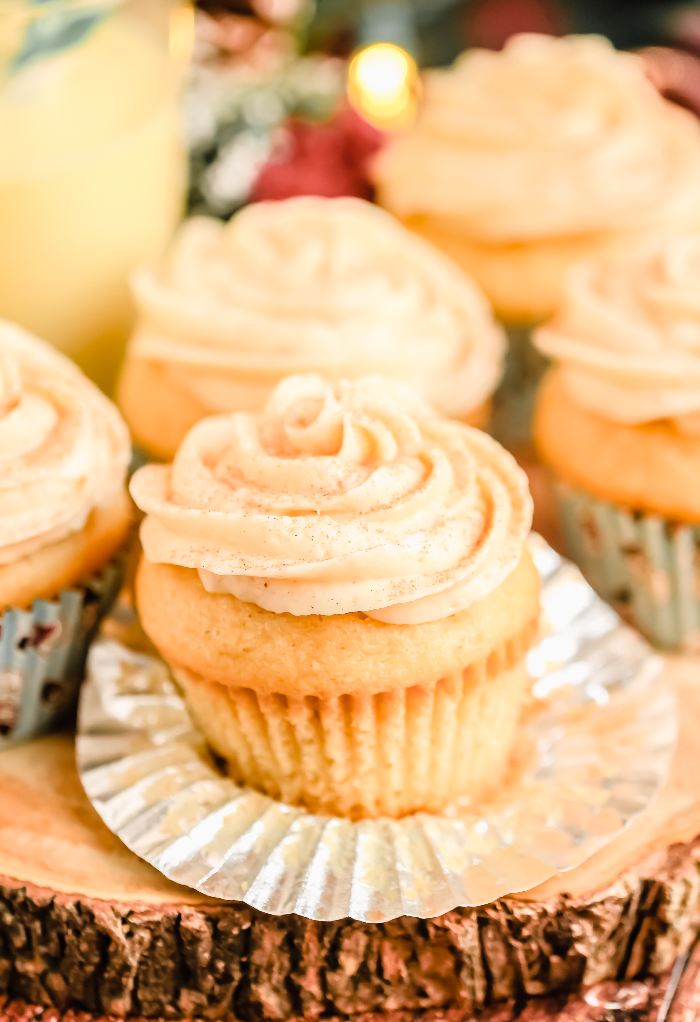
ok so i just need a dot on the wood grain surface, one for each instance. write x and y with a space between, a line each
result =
86 925
669 998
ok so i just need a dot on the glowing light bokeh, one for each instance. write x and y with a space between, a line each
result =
383 85
181 34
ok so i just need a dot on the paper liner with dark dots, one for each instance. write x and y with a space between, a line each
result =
43 652
646 566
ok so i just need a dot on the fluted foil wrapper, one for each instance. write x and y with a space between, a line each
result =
593 750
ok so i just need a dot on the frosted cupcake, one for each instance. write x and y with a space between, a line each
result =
341 585
547 152
64 512
618 422
335 286
527 160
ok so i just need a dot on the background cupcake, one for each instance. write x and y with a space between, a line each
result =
618 421
64 511
341 586
526 160
330 285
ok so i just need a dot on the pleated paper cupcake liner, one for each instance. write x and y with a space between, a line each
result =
514 401
591 753
139 458
43 653
384 754
647 567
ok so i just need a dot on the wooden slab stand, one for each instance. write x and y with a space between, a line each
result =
85 925
607 1002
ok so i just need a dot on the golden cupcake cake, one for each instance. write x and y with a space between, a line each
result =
341 585
526 160
618 423
335 286
64 512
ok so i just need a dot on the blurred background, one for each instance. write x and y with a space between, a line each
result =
259 63
118 116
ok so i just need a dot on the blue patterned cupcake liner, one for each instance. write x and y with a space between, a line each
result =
647 567
43 653
514 401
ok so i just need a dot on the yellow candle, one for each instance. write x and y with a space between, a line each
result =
91 184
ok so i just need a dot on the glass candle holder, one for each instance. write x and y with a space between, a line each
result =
92 164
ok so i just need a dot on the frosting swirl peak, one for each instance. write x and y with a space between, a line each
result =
550 137
64 448
628 336
335 286
338 498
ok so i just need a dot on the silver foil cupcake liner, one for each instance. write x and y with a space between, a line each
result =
593 750
43 653
648 568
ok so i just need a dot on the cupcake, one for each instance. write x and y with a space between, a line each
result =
618 422
525 161
341 586
64 512
335 286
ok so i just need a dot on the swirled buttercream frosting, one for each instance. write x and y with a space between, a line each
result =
338 498
64 448
547 138
628 336
335 286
